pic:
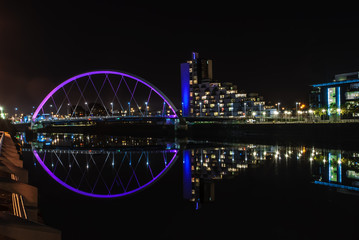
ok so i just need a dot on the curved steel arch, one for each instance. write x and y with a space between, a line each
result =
132 76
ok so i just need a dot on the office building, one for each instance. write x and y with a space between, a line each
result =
342 92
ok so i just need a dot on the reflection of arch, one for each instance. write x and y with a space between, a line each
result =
155 178
106 72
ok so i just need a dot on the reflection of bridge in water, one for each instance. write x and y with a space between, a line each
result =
105 173
113 166
102 166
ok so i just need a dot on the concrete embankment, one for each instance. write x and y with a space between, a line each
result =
18 199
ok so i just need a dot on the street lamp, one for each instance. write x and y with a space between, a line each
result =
296 109
85 110
146 103
164 109
218 108
129 108
111 108
310 111
2 113
200 109
264 115
245 109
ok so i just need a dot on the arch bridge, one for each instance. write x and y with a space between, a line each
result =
104 96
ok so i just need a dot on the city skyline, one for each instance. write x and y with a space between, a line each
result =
277 54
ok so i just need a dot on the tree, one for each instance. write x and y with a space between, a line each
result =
77 111
98 109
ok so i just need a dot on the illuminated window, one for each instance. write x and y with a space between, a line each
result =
352 95
331 96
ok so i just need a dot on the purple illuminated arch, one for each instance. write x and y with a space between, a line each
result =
106 72
103 195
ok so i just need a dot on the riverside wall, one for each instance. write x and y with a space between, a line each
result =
18 200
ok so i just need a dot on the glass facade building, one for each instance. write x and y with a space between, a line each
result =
343 92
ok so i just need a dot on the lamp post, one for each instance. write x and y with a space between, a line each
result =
129 109
296 109
85 110
245 109
111 108
218 109
146 103
2 113
310 111
200 109
164 109
264 115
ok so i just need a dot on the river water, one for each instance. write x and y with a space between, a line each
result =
97 187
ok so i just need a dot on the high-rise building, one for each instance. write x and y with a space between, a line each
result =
193 73
202 96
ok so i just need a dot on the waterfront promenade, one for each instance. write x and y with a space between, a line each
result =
18 199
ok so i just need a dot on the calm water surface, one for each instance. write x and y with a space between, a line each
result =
97 187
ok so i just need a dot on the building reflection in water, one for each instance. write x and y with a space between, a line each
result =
336 168
112 166
203 167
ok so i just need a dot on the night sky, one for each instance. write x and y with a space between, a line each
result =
277 51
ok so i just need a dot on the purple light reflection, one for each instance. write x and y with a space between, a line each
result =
136 78
100 195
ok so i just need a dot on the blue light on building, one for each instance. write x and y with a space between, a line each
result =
185 78
343 90
187 175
